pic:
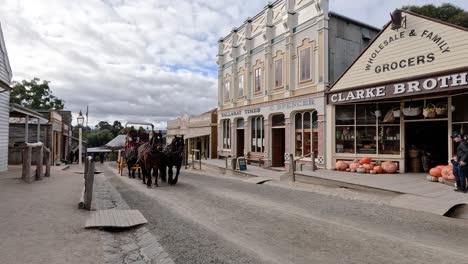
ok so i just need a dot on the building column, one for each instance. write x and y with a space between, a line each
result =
321 134
38 130
288 148
26 129
267 146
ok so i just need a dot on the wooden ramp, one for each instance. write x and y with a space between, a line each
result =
115 219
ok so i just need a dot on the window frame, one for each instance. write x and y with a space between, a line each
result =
258 67
306 44
257 125
226 134
279 57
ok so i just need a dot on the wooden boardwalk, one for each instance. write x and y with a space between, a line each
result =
115 218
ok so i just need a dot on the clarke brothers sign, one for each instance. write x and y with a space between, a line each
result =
401 89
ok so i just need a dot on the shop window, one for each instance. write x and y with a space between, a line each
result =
306 135
257 134
344 115
258 80
374 130
241 86
277 120
460 108
279 73
226 134
304 64
240 123
459 116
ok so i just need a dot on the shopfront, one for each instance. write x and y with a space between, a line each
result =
403 97
271 131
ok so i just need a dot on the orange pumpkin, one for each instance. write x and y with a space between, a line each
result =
365 160
354 166
435 172
440 166
447 171
378 169
389 167
368 167
341 165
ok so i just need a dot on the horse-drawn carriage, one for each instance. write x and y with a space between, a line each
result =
148 153
133 140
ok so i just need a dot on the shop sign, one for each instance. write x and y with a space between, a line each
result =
409 88
293 104
411 61
231 113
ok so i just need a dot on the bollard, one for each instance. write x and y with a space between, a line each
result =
40 164
47 161
26 170
89 180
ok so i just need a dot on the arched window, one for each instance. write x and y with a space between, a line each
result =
306 136
257 134
226 133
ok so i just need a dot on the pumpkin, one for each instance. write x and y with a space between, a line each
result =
348 169
446 171
435 172
378 169
434 179
365 160
352 170
368 167
372 172
428 177
389 167
441 166
341 165
451 177
440 179
360 170
354 165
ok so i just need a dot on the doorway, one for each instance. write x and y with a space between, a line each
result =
278 142
240 124
426 145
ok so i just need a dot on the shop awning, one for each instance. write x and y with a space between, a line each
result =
19 111
117 143
195 135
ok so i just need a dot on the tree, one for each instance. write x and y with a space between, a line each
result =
97 138
446 12
104 125
116 127
35 94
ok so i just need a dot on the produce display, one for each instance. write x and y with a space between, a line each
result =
365 165
441 173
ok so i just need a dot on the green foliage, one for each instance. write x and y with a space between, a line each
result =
446 12
35 94
97 138
116 127
104 125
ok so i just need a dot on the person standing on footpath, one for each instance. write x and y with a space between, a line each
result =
462 160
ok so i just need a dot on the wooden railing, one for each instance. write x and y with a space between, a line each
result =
42 156
292 167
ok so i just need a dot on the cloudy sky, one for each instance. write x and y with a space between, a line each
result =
145 60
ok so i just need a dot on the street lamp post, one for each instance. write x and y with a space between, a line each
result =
80 120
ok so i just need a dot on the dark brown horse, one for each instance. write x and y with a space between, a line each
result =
173 156
149 156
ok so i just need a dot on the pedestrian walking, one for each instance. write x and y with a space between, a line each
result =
462 160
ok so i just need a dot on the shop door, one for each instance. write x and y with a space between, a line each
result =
426 145
277 147
240 142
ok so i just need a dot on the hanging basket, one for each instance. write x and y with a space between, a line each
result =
441 109
429 111
396 113
411 111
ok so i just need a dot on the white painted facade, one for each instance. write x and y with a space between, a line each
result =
5 81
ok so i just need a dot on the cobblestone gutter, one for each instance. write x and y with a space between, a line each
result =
135 246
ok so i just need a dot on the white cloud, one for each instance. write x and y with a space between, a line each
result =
147 60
